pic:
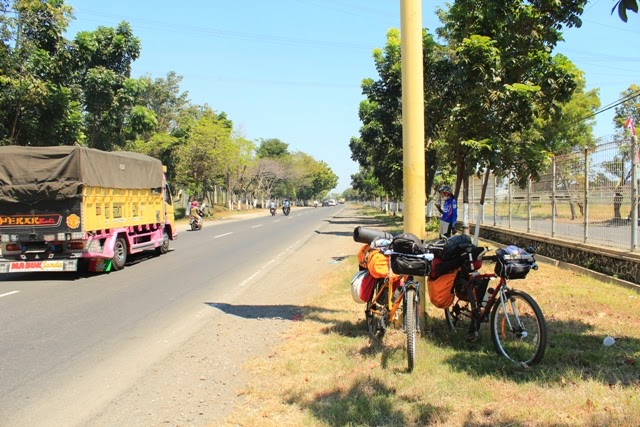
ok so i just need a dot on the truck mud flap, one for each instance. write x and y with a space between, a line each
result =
99 265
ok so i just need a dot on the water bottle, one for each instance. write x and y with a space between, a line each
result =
487 295
397 293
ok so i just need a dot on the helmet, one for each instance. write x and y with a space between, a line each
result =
445 189
362 286
356 283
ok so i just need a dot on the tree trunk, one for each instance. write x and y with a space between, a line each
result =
485 182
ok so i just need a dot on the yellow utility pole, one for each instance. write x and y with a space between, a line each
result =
413 121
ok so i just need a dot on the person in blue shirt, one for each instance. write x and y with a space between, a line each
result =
449 212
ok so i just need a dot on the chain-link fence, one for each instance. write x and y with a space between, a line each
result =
584 197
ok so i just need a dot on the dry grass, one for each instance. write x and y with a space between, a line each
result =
327 372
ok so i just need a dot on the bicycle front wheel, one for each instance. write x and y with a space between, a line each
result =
518 329
411 325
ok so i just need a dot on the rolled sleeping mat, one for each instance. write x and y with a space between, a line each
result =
368 235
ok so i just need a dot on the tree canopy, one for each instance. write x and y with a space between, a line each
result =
488 85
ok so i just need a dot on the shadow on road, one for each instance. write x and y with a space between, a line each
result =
294 313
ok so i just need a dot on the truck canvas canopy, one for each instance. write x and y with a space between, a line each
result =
35 173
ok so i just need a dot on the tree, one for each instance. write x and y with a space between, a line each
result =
272 148
267 173
503 56
103 60
378 149
38 102
630 107
201 159
164 98
623 6
311 177
366 184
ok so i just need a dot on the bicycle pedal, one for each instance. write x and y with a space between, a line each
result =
473 336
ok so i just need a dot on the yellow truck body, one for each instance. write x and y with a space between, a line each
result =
59 205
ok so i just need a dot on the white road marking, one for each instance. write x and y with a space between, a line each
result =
277 220
264 267
8 293
256 226
221 235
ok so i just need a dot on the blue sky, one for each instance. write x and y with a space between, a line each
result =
291 69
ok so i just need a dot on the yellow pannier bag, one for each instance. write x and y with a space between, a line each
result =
377 264
362 256
440 289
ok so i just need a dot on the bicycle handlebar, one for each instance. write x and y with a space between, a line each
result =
428 256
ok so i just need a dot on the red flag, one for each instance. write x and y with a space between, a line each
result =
629 124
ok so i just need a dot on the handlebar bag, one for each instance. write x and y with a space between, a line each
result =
412 266
513 262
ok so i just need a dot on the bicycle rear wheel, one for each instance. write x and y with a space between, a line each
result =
518 329
458 318
376 311
411 325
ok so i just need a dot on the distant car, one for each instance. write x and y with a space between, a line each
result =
332 202
325 203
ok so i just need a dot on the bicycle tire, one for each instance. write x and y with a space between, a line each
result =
376 325
411 326
525 344
457 321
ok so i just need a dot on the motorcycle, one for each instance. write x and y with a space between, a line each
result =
315 204
195 223
286 210
273 211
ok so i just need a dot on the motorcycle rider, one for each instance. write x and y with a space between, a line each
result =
196 211
286 205
272 206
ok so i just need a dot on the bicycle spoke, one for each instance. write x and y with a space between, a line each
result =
518 329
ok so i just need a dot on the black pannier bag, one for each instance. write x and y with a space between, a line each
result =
401 264
514 262
407 243
456 246
447 265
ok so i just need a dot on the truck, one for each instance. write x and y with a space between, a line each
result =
66 207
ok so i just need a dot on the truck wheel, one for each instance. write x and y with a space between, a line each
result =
164 247
119 254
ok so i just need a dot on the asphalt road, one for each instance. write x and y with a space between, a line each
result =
69 343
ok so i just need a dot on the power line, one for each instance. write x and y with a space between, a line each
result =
610 106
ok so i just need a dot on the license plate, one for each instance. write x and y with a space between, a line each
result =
45 265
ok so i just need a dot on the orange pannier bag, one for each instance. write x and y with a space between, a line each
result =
440 289
362 256
377 264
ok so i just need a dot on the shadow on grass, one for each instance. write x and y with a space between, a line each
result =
572 353
368 402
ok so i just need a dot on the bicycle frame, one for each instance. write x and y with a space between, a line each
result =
391 306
